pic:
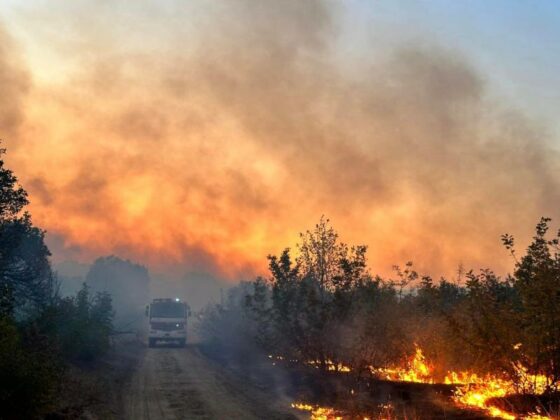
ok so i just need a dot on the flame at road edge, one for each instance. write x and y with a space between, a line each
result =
472 391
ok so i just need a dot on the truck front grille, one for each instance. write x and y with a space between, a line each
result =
166 326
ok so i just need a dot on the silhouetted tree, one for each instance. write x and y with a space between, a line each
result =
537 282
29 368
128 284
311 297
324 307
26 279
29 372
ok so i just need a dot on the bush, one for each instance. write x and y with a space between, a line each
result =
39 331
324 306
29 373
81 325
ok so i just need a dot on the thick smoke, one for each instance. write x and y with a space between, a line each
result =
206 136
14 85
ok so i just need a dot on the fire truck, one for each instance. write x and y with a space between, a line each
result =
167 321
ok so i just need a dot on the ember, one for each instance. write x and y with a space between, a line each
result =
318 413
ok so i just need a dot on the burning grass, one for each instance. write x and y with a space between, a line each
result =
350 330
487 393
318 413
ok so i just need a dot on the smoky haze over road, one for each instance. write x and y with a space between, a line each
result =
182 383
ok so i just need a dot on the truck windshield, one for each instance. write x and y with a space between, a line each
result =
167 310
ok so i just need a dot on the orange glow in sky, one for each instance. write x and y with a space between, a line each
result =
205 138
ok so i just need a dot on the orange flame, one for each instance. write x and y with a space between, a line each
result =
318 413
472 391
476 391
417 370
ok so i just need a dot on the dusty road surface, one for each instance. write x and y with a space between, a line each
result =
181 383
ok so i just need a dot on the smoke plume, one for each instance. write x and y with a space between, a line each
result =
204 136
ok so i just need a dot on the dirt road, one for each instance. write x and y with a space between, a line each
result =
181 383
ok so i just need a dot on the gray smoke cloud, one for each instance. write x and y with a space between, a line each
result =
244 117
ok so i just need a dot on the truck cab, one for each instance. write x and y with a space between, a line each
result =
167 321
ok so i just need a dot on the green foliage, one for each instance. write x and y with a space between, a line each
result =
39 331
26 280
81 325
324 305
29 372
33 353
29 368
486 321
374 333
25 271
313 296
537 283
13 197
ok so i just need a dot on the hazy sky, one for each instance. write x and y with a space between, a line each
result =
204 135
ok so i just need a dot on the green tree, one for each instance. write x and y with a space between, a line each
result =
29 372
312 297
127 282
81 324
486 321
537 282
26 279
13 198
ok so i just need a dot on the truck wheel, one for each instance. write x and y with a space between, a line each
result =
151 342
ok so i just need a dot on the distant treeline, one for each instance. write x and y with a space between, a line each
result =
41 333
325 305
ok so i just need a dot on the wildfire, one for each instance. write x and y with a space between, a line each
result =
331 366
417 370
318 413
472 391
328 413
476 391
